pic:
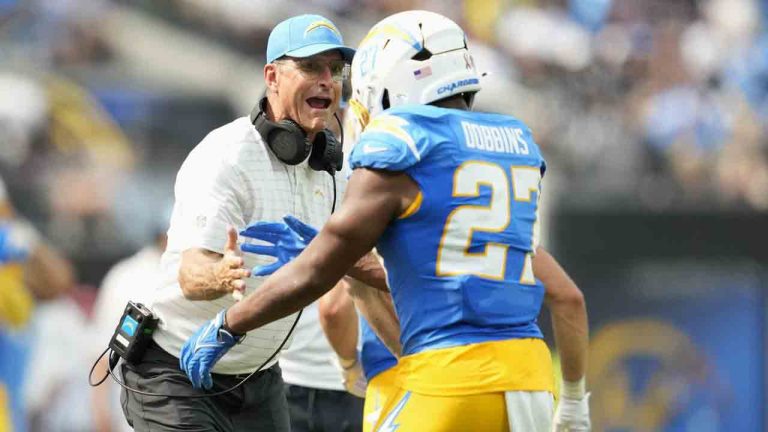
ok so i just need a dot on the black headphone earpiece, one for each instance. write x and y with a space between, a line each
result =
289 143
327 154
285 138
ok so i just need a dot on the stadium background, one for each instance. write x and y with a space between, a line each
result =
651 114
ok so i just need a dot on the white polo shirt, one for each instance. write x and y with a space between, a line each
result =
232 178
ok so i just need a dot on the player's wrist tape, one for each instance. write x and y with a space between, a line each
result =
574 389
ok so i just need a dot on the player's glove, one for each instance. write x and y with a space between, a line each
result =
572 415
201 351
288 241
352 375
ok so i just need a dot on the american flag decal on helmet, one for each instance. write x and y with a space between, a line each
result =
422 72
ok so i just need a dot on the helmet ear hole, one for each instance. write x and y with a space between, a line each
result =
385 99
469 98
422 55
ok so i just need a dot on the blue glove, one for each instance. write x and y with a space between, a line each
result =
13 247
201 351
288 241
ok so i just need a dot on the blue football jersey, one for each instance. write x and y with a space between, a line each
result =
375 356
459 261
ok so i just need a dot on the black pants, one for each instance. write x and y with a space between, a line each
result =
258 405
316 410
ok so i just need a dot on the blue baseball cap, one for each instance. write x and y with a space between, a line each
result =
305 36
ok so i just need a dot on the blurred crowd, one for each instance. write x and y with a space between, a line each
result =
658 104
651 105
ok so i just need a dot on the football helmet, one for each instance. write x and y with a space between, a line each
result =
413 57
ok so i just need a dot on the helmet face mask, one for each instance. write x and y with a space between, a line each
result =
355 120
414 57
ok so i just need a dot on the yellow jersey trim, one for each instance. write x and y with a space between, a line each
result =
414 207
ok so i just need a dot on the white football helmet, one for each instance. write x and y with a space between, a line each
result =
413 57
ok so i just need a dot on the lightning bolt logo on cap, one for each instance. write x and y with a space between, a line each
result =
320 24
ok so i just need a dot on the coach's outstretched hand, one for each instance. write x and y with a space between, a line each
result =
201 351
288 241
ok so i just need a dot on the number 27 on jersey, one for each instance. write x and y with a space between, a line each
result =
508 192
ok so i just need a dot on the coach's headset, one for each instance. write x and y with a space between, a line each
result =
289 143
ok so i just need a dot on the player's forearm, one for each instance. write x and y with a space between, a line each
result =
369 271
569 314
280 296
378 309
198 277
339 321
569 322
294 286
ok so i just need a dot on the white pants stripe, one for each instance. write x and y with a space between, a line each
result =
529 411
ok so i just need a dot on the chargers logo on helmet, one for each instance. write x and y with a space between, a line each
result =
453 86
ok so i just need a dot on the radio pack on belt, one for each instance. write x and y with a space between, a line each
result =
133 332
132 336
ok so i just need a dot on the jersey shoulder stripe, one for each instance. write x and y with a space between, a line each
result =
399 138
